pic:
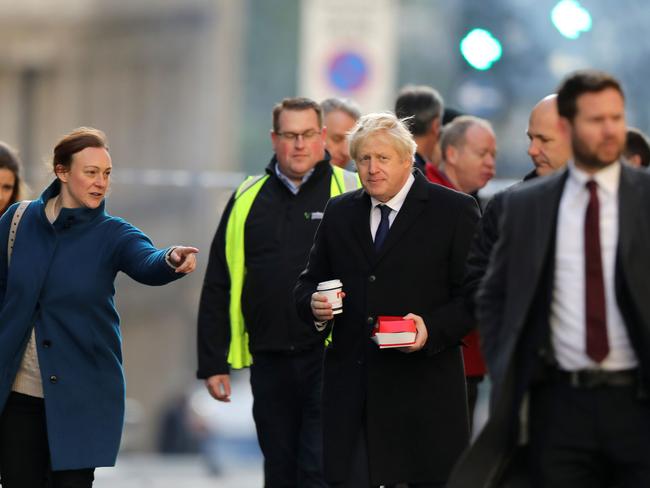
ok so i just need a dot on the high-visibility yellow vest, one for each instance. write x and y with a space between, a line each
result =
238 355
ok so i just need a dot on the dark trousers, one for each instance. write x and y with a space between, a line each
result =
287 412
24 451
589 437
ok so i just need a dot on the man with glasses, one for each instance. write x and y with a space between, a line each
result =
247 312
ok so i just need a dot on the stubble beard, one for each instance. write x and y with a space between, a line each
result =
590 160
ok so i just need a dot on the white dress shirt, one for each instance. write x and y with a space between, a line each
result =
568 316
395 204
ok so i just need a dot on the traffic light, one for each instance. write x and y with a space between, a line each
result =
480 49
571 18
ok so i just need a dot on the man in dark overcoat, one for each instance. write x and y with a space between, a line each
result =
392 415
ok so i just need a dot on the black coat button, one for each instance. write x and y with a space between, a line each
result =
372 278
370 321
53 379
47 343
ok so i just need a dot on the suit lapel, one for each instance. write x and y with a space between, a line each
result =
627 213
534 219
544 221
413 205
633 235
360 220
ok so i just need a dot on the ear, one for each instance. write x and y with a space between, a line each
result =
435 128
451 155
274 139
323 134
565 127
61 173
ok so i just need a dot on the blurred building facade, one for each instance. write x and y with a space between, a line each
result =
162 79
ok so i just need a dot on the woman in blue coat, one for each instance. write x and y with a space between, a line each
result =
61 379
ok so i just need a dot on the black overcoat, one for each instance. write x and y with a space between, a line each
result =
414 405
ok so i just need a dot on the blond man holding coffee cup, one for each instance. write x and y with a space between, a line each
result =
391 417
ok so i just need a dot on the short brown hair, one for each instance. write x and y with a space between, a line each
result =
637 144
77 140
581 82
9 160
418 107
298 103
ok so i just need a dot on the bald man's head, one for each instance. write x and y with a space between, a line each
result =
549 147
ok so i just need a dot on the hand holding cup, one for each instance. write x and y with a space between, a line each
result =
328 300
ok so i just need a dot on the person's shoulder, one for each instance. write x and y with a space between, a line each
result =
439 192
536 186
116 226
345 200
639 174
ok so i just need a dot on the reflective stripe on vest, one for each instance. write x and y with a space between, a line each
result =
239 355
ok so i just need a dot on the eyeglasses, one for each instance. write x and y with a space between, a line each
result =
309 135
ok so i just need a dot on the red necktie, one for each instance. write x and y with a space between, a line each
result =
596 314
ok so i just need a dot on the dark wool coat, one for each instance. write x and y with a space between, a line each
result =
413 405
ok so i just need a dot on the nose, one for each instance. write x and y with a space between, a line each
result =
490 162
610 127
533 149
300 140
345 152
372 165
101 181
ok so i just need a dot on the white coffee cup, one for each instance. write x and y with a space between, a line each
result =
333 290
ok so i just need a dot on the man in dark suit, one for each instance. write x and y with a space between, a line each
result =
390 415
564 314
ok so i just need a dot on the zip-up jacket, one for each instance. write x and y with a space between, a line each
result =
276 233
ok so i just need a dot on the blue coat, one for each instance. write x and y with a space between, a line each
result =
61 282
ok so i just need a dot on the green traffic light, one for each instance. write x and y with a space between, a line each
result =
480 49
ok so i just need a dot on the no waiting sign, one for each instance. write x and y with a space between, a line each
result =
348 48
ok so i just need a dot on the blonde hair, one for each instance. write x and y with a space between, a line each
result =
387 123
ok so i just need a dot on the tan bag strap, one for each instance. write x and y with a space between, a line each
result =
14 227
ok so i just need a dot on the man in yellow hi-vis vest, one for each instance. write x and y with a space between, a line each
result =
247 312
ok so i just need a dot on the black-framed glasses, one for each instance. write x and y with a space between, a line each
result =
308 135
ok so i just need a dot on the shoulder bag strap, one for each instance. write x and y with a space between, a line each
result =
14 227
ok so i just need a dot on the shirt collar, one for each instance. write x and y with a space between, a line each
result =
607 178
293 188
397 201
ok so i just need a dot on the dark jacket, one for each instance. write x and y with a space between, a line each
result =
419 162
60 282
279 232
413 405
487 234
